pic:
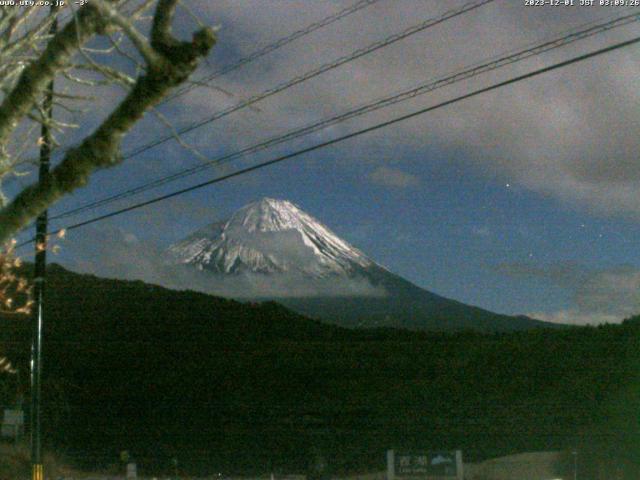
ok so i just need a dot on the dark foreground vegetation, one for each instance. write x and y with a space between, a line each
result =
236 388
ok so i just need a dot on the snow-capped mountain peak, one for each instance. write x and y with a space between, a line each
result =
269 236
267 215
273 249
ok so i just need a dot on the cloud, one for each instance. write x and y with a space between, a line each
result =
575 317
394 178
482 231
119 254
598 295
569 134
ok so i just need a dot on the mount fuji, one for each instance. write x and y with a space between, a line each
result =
274 250
270 237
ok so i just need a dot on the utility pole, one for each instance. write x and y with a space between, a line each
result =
45 142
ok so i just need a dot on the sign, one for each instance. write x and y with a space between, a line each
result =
12 423
132 471
426 464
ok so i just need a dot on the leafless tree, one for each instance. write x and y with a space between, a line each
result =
81 53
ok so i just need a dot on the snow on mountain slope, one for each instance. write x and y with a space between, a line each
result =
270 236
272 249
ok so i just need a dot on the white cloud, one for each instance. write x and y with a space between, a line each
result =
575 317
113 252
394 178
569 134
481 231
598 295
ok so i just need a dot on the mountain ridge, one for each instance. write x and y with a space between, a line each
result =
231 387
276 241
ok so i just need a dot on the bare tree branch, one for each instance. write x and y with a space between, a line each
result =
37 75
146 50
172 63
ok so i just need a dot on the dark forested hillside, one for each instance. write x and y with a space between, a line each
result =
226 386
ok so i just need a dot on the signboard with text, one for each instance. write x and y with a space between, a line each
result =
445 464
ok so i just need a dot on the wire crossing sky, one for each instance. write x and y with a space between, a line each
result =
349 136
464 74
272 47
431 22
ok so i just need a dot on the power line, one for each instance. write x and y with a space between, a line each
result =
357 133
464 74
315 72
276 45
268 49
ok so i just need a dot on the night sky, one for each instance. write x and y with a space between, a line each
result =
522 200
